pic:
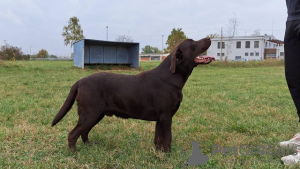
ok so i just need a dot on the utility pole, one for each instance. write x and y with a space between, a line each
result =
30 53
272 25
5 47
162 46
5 44
106 33
221 45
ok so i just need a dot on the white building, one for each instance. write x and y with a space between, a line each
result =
246 48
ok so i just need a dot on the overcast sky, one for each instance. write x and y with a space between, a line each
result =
39 23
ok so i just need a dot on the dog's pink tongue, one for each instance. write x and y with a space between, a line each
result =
204 59
210 57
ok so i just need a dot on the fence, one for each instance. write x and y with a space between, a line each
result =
52 59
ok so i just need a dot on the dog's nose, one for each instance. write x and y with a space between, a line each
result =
207 39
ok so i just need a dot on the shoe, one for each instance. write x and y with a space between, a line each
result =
294 142
291 159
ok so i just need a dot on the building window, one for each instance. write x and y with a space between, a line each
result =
238 45
246 54
281 53
247 44
218 54
251 54
256 53
238 58
155 58
256 44
219 45
271 55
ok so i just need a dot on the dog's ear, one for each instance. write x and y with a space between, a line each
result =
176 58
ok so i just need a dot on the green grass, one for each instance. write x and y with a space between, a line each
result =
228 105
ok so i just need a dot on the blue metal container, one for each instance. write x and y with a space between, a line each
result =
88 51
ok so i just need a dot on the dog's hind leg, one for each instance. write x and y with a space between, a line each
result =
85 135
88 118
73 136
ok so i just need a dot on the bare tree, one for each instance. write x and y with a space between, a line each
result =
232 26
231 31
124 38
256 32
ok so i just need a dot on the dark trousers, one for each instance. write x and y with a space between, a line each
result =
292 60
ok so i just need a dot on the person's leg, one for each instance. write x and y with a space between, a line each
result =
292 61
292 73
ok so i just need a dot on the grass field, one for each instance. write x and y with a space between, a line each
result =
227 105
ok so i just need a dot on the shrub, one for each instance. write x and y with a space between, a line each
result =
267 62
9 52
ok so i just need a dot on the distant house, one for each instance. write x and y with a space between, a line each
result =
246 48
152 56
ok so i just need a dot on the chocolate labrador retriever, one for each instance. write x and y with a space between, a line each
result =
153 95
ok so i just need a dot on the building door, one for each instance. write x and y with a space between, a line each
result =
238 58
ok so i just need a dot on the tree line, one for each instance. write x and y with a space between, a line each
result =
10 52
72 32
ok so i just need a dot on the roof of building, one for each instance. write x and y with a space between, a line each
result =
276 41
107 43
267 37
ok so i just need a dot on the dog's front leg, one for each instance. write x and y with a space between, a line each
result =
163 135
158 135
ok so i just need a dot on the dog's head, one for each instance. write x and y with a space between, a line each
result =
187 54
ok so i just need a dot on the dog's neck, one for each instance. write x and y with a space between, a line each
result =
177 79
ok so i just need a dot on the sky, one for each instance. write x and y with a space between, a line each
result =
37 24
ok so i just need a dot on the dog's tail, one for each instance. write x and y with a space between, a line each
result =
67 105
